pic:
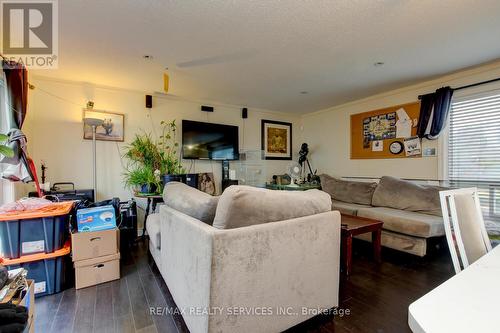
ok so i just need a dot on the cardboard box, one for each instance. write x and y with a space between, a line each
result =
29 302
98 270
96 218
88 245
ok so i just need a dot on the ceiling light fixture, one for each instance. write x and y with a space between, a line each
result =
378 63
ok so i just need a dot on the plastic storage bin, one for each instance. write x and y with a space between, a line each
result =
44 231
48 270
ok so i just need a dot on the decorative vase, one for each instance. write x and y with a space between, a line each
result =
148 188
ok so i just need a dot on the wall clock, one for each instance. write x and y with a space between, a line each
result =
396 147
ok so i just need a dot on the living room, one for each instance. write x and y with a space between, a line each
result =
349 132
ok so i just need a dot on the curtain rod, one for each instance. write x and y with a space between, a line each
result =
471 85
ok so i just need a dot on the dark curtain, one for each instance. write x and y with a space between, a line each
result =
426 105
16 99
16 78
434 112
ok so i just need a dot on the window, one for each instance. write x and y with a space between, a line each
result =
6 192
474 151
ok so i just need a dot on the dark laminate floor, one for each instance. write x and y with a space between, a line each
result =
376 295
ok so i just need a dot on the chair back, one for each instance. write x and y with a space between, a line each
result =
464 226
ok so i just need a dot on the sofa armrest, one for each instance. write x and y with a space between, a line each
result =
285 266
186 255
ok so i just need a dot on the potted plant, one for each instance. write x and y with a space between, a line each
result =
4 150
168 146
143 180
151 162
144 163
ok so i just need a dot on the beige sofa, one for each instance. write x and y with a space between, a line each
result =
411 213
269 262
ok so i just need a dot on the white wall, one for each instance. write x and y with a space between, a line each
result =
55 131
328 131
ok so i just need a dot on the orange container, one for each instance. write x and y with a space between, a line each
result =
35 231
49 270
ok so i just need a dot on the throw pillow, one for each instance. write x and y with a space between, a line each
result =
241 206
348 191
402 194
190 201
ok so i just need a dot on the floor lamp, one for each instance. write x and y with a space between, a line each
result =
93 123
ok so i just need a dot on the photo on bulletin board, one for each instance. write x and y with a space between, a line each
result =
380 134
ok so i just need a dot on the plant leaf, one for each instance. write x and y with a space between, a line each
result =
6 151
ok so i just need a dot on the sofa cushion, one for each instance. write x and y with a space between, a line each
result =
190 201
241 206
402 194
348 191
347 208
405 222
153 229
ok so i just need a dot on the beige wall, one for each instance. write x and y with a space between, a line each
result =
328 131
55 131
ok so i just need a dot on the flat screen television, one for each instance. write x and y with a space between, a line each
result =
209 141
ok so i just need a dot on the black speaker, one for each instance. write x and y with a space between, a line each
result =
149 101
192 180
225 170
206 108
127 225
228 182
244 113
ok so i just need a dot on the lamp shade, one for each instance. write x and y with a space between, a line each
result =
92 118
93 121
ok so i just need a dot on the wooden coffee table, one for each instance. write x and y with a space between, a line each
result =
355 225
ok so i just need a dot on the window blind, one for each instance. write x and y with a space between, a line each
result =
474 151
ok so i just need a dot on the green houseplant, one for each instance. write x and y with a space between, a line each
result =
143 160
4 150
150 161
168 147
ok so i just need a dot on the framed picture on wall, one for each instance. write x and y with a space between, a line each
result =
276 140
111 130
206 183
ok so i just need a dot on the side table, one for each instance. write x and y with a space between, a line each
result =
355 225
152 201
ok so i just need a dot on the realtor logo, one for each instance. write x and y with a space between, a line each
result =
29 32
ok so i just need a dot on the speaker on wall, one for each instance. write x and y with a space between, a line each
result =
244 113
206 108
149 101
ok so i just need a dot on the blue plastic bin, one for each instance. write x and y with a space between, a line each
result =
44 234
49 272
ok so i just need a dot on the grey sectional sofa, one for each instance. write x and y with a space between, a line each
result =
226 258
411 213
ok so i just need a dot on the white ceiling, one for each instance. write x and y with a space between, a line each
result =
263 53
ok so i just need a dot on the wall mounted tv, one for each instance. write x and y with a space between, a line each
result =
209 141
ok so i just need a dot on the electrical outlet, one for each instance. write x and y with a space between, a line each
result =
429 152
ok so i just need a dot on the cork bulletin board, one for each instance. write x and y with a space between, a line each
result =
373 132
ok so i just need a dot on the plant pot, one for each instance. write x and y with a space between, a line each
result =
148 188
173 178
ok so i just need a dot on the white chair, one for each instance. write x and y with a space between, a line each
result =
466 231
